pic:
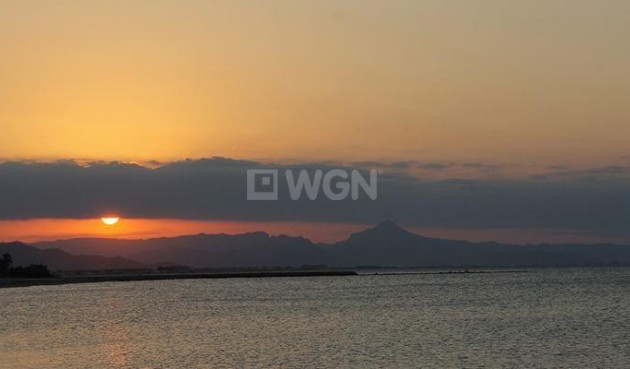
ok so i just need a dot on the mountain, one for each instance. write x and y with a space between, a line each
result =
205 250
386 244
56 259
390 245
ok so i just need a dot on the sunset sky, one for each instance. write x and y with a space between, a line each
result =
525 104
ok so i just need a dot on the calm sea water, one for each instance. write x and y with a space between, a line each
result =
567 318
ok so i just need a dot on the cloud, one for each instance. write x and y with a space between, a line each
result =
428 167
596 173
215 188
481 166
433 166
383 165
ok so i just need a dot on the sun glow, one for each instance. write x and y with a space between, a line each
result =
110 221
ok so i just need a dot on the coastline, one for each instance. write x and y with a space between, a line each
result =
30 282
52 281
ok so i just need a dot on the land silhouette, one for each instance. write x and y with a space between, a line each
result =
31 271
384 245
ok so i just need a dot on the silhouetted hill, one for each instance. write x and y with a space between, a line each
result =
386 244
205 250
55 259
389 245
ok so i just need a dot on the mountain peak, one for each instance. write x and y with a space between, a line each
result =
383 231
388 225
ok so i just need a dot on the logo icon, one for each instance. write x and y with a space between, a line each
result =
262 184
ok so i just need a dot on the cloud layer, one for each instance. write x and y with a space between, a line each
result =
596 199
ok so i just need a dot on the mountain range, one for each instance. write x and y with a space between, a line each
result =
56 259
385 245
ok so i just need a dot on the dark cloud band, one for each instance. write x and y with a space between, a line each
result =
597 199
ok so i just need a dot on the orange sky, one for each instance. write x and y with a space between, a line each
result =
513 82
53 229
50 229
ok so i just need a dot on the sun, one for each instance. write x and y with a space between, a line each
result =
110 221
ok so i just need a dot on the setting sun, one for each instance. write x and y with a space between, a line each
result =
110 221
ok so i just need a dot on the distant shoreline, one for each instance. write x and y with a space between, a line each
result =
53 281
449 272
29 282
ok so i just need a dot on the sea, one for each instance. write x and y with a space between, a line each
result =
538 318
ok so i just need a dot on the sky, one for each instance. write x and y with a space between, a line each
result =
525 103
